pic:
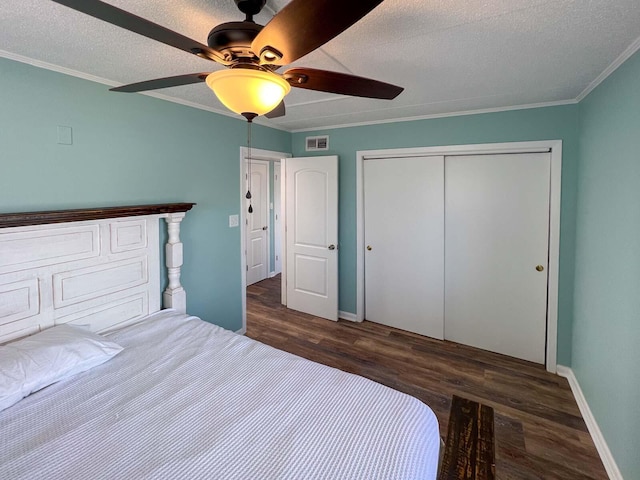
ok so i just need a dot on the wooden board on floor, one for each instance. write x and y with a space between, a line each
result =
469 448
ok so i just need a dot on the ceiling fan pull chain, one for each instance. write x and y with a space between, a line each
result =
248 195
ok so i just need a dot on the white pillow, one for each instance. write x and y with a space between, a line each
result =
34 362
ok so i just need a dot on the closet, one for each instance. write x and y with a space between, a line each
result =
457 247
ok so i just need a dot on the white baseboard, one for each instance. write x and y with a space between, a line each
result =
242 331
347 316
272 274
598 439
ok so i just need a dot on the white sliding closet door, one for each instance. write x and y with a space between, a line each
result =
404 238
496 255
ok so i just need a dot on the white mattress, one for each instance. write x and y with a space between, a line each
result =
189 400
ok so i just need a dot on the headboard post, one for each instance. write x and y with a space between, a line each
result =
174 295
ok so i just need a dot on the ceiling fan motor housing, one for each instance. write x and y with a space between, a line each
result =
233 39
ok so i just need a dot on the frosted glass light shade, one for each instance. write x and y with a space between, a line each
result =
244 90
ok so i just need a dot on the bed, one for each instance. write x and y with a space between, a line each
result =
184 398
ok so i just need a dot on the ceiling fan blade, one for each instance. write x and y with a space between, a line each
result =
158 83
133 23
304 25
341 83
279 111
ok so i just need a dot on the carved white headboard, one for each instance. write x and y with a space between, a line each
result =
96 267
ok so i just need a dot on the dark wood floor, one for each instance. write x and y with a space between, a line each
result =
539 431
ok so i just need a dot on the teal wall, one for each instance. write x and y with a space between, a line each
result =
606 336
131 149
513 126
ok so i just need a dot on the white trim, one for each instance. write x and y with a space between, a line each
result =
624 56
256 154
440 115
283 231
272 274
594 430
360 236
347 316
277 202
553 268
56 68
260 120
554 146
318 100
93 78
242 331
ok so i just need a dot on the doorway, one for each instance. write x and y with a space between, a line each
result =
309 278
262 262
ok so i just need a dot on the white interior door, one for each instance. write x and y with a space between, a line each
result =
257 249
497 224
404 238
277 219
311 202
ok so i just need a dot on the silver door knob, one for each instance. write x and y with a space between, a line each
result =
332 247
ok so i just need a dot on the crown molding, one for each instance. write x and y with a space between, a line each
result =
624 56
104 81
441 115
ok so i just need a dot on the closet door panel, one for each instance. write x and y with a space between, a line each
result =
496 252
404 243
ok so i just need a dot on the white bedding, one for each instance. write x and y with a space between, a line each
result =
189 400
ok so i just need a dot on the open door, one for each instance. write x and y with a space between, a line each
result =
311 207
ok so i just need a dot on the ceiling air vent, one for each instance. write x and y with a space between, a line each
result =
317 143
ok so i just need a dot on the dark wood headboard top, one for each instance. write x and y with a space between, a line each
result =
80 214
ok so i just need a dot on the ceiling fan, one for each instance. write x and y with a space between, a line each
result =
253 53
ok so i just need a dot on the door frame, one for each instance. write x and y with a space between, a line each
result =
256 154
277 208
554 147
269 226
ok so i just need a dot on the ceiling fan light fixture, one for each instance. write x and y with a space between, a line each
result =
244 90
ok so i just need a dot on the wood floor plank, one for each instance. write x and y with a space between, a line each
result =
539 433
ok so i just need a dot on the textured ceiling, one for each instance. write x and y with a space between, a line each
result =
451 56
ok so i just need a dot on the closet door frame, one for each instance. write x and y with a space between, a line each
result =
554 147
